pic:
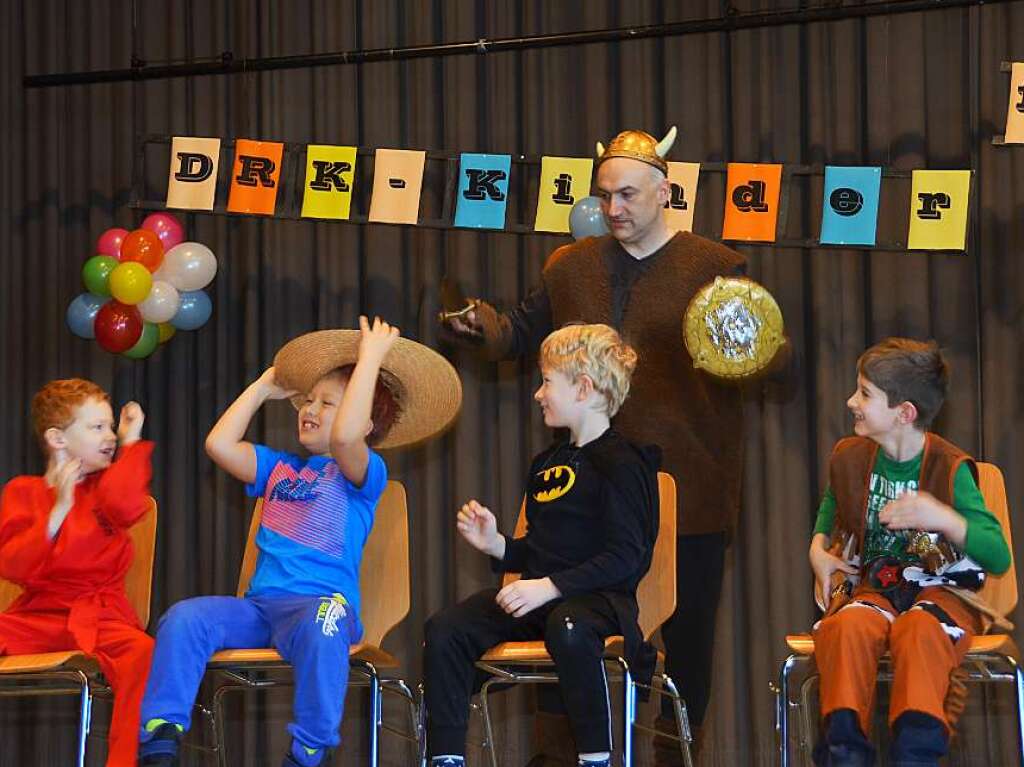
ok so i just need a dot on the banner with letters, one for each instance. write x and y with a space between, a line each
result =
481 185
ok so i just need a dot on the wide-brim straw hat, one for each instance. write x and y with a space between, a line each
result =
425 385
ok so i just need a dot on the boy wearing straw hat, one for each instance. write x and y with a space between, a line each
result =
303 598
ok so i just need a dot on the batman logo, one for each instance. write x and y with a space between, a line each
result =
553 483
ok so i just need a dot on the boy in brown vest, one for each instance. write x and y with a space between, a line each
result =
902 542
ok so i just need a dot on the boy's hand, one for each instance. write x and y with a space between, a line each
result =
270 388
129 425
524 596
824 564
375 340
923 511
478 526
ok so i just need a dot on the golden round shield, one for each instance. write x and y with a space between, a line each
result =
733 328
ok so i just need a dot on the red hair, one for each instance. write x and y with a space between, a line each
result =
54 405
385 409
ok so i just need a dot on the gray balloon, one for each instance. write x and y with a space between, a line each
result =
586 218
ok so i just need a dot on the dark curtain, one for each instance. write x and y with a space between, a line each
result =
909 91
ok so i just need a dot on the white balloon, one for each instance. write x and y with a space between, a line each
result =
161 304
188 266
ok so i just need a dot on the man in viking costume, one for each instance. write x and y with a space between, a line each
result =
640 279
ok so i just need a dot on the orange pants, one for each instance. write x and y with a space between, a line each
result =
849 642
123 653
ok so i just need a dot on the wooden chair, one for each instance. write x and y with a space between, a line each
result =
656 596
71 672
384 582
991 657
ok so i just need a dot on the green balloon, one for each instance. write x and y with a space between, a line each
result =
96 274
147 342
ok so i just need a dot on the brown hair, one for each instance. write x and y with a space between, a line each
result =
386 408
54 405
908 371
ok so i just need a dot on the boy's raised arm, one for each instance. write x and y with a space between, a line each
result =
226 443
352 424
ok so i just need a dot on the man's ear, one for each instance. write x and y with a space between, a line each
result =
369 428
664 191
55 439
907 412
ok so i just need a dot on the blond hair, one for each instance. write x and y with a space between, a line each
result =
596 351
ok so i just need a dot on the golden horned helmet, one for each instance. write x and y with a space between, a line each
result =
637 145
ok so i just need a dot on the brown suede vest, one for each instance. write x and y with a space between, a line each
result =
850 468
697 422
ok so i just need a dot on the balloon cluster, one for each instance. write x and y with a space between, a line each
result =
143 286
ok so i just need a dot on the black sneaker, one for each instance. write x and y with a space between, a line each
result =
162 748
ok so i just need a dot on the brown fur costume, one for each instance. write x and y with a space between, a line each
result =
697 421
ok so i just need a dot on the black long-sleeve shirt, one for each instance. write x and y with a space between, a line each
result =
592 517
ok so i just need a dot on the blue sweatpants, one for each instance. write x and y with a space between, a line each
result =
312 633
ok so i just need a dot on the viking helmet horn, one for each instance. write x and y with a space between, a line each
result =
666 143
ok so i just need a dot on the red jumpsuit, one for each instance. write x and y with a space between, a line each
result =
74 596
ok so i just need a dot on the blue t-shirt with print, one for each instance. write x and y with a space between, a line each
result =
315 524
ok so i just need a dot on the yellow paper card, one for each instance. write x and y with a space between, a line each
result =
330 171
938 209
563 181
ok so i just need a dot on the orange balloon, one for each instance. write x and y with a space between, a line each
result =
144 247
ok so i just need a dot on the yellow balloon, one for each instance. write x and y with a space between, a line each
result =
130 282
167 331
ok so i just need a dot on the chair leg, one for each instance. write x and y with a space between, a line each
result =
782 709
421 727
492 752
218 726
682 719
84 718
628 712
376 713
1018 674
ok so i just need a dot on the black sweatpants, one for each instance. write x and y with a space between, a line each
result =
573 631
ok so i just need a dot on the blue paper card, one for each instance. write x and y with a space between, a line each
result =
849 209
483 190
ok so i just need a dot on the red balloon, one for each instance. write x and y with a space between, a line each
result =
145 247
109 243
118 327
166 227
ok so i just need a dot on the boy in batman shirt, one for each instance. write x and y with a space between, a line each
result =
592 514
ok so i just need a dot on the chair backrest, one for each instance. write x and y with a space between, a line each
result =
656 593
383 573
1000 591
138 581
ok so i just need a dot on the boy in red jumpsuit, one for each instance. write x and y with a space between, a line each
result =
64 539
